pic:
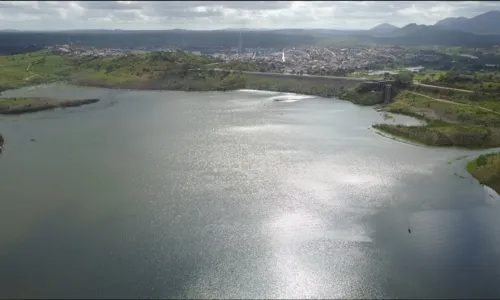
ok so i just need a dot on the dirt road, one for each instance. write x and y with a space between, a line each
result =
443 87
452 102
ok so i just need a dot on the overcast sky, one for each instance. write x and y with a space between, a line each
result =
52 15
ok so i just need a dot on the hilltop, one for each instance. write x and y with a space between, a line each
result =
383 28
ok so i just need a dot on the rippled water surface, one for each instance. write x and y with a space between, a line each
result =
244 194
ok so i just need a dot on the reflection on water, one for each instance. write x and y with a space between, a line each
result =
151 194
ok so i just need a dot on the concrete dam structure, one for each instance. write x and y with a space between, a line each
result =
386 87
327 86
331 81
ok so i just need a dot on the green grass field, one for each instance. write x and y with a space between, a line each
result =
33 68
133 70
416 105
484 81
429 75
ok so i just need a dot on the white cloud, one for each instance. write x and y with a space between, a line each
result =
53 15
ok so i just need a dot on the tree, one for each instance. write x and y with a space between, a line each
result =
403 79
184 69
451 77
109 68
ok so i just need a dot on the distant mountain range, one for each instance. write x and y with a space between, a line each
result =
414 35
480 31
487 23
383 28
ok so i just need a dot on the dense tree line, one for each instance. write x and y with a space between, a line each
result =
16 42
160 38
9 49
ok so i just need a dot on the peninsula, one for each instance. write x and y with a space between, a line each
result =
486 169
449 123
16 106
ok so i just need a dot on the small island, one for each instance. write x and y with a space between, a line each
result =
16 106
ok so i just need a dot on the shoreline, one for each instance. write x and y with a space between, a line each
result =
485 169
422 144
400 139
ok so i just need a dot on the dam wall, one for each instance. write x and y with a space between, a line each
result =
323 86
330 81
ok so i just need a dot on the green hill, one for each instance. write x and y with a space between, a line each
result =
158 70
33 68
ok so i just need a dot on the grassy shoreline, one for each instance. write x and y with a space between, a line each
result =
486 169
448 124
17 106
399 138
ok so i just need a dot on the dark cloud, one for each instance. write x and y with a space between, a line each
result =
222 14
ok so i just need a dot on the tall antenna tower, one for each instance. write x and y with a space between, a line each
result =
240 44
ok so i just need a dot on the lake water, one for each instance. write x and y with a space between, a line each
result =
156 194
